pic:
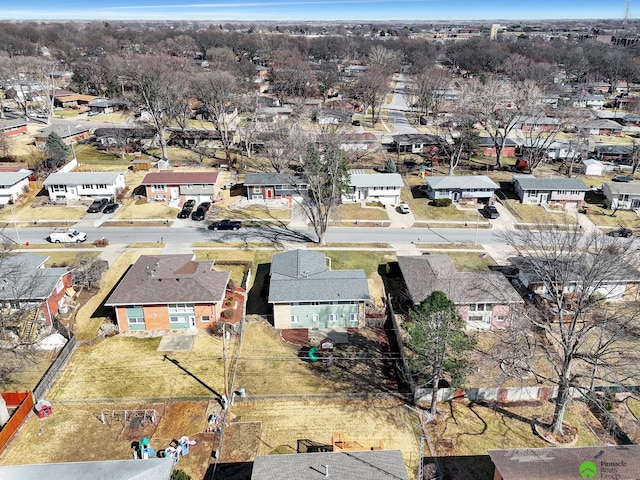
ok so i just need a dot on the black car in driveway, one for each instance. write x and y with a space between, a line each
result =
623 178
490 211
110 208
187 209
199 214
98 205
225 225
621 232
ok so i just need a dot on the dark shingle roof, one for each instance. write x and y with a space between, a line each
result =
272 178
529 182
364 465
462 182
22 279
163 279
426 274
302 276
179 178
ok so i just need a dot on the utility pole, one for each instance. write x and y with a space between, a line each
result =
224 358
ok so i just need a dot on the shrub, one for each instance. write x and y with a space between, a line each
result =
228 313
442 202
179 475
100 242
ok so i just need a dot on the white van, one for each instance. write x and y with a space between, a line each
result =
66 235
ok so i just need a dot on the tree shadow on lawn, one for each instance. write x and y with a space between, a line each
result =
257 295
459 467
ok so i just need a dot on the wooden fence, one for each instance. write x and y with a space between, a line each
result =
50 376
24 403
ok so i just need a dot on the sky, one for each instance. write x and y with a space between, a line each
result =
312 10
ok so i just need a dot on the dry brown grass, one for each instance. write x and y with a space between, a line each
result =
353 211
132 210
285 422
86 323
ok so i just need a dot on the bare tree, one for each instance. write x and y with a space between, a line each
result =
383 59
428 91
498 105
326 171
575 276
155 91
371 89
458 137
218 92
290 76
284 144
327 76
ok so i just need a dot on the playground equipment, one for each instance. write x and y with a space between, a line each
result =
126 417
144 450
178 448
43 408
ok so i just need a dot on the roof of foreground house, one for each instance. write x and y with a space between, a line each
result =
425 274
362 465
164 279
303 276
21 277
461 181
180 178
8 179
361 179
151 469
529 182
82 178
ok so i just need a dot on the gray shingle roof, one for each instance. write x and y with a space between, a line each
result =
8 179
375 179
302 276
12 123
529 182
63 131
180 178
461 182
272 178
22 279
151 469
364 465
163 279
426 274
81 178
617 188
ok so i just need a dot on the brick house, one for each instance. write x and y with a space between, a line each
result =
486 145
69 134
25 282
13 126
484 300
174 186
267 186
169 292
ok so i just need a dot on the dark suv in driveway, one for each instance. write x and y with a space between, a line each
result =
187 208
621 232
201 211
490 211
98 205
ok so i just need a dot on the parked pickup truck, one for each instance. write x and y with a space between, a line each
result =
225 225
66 235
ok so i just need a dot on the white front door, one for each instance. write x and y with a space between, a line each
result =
175 193
192 323
315 322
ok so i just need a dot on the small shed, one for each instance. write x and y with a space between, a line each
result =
140 164
592 167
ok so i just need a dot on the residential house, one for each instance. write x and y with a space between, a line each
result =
621 285
353 142
488 148
194 138
273 114
373 187
305 293
463 189
333 117
127 139
549 191
618 153
591 167
559 150
104 105
566 463
169 185
25 282
622 196
484 300
150 469
13 185
13 126
71 186
601 126
417 143
75 100
265 186
352 465
538 124
594 102
70 134
169 292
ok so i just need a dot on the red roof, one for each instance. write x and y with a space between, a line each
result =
180 178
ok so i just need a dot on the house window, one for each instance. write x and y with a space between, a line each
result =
256 189
333 318
500 318
205 318
102 186
189 187
353 317
58 188
624 198
295 319
180 308
87 187
479 307
158 188
174 319
136 320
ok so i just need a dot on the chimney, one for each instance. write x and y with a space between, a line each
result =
326 470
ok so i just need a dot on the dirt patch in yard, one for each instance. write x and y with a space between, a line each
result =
241 441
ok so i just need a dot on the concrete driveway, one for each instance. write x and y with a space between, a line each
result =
399 220
177 342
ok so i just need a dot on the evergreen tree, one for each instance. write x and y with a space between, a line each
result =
390 167
438 343
56 151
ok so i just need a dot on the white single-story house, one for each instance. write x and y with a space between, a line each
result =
622 196
462 189
373 187
70 186
12 185
549 191
592 167
561 151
